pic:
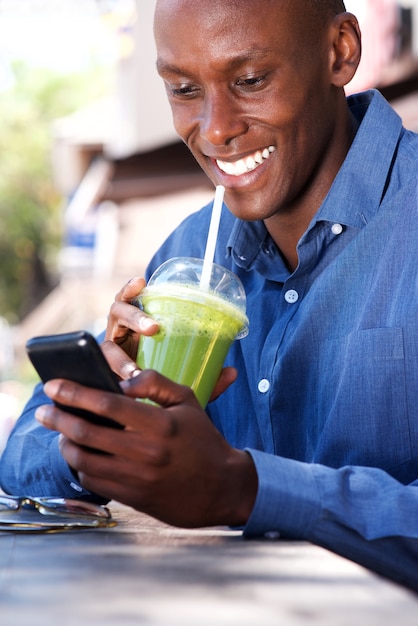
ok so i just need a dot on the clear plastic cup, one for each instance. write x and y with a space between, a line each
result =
197 326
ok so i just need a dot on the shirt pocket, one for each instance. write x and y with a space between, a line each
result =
364 400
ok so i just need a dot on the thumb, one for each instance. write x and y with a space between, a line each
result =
150 385
225 380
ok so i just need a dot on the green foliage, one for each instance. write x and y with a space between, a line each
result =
30 206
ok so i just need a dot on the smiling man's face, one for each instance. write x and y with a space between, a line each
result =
250 84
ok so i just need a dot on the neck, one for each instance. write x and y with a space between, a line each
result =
288 225
286 230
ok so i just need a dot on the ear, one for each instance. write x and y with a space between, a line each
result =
345 49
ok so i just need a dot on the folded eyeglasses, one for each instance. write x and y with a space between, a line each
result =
51 514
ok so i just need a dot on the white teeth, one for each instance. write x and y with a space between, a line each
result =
229 168
245 165
241 167
250 162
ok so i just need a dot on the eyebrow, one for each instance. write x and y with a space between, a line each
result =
162 66
252 54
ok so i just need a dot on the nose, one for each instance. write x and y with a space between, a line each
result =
221 119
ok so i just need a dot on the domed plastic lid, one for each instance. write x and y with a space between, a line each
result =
188 271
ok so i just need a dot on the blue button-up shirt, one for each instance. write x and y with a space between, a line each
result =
326 401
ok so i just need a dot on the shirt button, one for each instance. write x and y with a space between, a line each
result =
291 296
263 385
272 535
337 229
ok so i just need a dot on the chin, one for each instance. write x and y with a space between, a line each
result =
249 211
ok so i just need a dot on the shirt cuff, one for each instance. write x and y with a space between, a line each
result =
288 500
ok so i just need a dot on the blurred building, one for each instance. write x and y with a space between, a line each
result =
128 181
126 178
380 24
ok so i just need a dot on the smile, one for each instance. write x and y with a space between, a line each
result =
243 166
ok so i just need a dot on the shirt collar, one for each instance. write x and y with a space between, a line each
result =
362 179
245 241
359 187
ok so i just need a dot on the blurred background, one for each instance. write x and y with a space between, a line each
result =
92 176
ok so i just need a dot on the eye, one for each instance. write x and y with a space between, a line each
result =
251 82
183 90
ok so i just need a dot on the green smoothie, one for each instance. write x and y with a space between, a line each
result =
196 331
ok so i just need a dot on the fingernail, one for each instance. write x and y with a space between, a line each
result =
41 414
51 387
146 323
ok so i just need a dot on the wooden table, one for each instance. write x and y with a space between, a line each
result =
144 572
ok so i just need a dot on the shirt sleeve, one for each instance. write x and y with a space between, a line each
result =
361 513
31 463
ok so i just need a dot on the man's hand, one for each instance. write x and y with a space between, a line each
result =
169 461
126 323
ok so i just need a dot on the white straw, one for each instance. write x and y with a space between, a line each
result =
212 237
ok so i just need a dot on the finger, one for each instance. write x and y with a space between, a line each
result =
125 317
88 465
161 390
138 496
226 379
128 454
106 404
114 490
143 449
131 289
108 489
126 462
119 360
77 429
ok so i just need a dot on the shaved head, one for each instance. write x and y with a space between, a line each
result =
324 10
320 10
332 6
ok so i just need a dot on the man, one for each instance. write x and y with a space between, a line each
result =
317 437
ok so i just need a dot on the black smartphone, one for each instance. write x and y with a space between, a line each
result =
77 357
